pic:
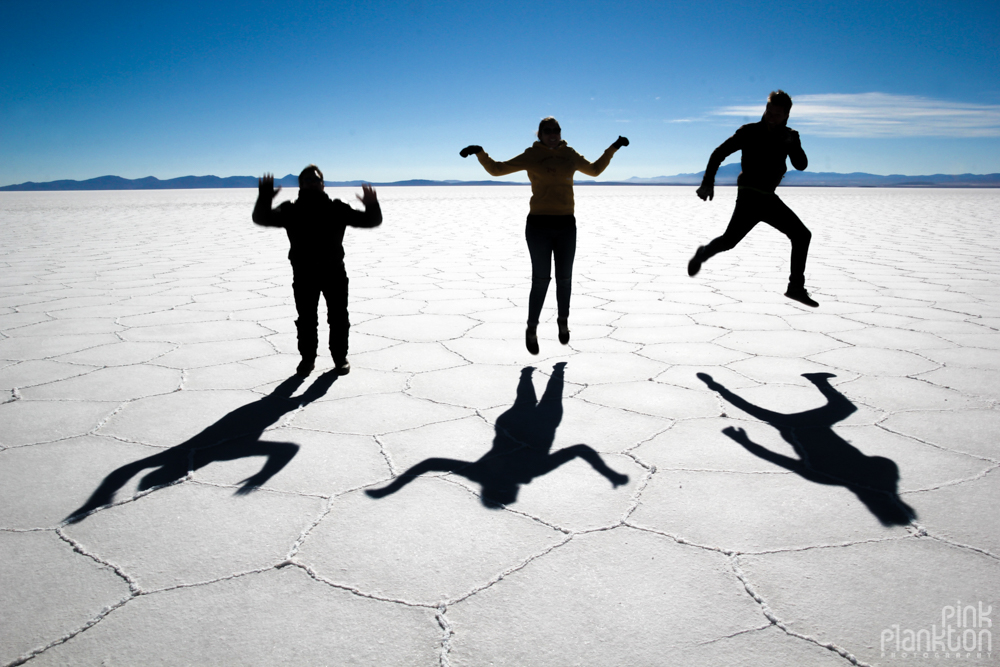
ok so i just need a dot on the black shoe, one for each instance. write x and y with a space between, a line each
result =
342 366
305 366
694 266
531 340
563 331
801 295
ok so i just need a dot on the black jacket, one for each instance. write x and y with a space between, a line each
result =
764 153
315 225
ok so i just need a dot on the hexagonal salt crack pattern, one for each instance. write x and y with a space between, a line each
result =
955 510
190 533
49 591
758 511
430 541
30 422
119 340
476 386
122 383
30 373
42 484
613 597
375 415
418 328
819 592
967 431
653 398
280 617
172 419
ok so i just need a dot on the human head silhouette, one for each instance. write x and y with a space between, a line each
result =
311 178
549 132
779 105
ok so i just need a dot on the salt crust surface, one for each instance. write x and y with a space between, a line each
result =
133 324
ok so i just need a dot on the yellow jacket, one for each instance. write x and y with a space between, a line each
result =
550 171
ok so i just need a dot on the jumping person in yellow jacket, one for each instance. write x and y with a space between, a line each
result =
551 226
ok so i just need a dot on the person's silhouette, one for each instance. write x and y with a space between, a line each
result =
765 146
315 225
236 435
521 446
825 457
551 226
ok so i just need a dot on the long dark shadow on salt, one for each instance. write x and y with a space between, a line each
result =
825 457
521 448
235 436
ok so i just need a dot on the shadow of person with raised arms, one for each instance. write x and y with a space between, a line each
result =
825 457
521 448
235 436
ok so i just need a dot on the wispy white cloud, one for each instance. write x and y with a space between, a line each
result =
883 115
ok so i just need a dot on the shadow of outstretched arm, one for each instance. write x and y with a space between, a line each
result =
278 455
425 466
737 401
588 454
173 465
741 437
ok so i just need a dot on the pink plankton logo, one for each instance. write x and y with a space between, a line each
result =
965 633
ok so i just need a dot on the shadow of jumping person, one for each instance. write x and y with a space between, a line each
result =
521 448
235 436
825 457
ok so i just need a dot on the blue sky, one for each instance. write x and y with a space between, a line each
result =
392 90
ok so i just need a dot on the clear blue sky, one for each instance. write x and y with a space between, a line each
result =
392 90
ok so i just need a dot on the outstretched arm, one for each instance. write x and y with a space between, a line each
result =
262 211
728 147
597 167
492 167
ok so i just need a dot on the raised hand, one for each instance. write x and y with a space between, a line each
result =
470 150
792 137
620 141
369 197
706 192
265 186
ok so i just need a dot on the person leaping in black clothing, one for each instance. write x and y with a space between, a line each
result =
315 225
765 146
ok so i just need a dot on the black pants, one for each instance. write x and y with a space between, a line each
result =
753 207
307 286
550 236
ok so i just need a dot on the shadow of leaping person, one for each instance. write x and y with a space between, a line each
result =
825 457
237 435
521 448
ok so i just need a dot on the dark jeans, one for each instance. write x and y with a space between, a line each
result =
753 207
307 286
548 236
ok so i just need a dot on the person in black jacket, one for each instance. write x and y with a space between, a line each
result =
315 225
765 145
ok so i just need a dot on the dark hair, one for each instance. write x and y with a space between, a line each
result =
547 119
780 98
310 174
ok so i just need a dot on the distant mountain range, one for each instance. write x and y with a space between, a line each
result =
726 176
728 173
